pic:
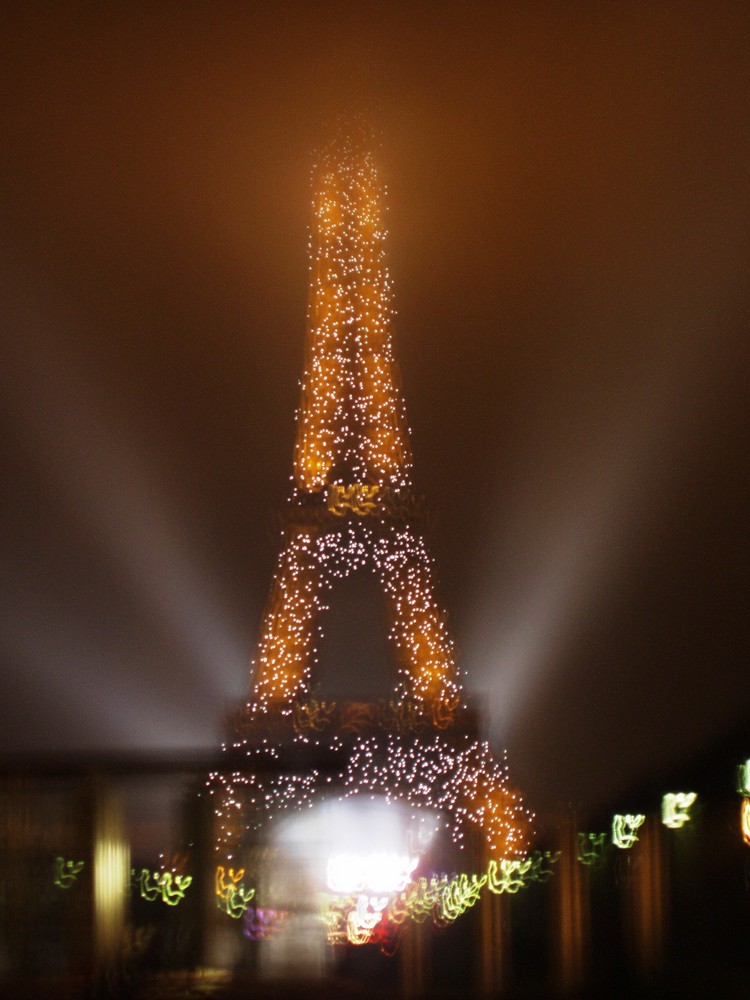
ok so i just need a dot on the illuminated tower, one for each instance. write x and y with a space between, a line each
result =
351 506
352 500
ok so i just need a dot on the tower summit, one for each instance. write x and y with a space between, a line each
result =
352 428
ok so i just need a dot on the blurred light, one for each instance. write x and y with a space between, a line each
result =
361 843
66 872
111 875
350 873
624 829
260 923
167 886
675 808
591 847
231 895
745 820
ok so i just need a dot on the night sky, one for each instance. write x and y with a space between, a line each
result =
569 199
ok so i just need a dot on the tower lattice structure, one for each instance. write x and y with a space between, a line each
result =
352 500
352 505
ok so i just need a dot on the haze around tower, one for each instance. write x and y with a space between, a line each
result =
568 206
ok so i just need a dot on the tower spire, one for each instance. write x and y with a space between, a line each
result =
351 424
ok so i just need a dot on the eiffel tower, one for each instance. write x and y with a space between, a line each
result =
352 500
352 505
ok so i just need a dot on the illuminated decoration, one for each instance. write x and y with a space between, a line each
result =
512 874
352 507
460 895
743 787
334 911
359 499
165 885
675 808
358 920
312 717
66 872
591 847
349 873
231 895
507 875
745 820
624 829
366 919
149 889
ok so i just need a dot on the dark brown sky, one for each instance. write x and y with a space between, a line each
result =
569 195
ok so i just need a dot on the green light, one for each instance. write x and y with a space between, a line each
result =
675 808
508 875
591 847
170 887
66 872
624 827
743 779
173 887
541 865
462 893
231 896
148 890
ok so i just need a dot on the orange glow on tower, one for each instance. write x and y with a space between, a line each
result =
352 500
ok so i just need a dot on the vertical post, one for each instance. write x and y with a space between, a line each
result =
495 943
414 979
646 900
111 872
571 914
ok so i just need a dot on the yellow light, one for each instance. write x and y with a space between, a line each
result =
624 829
231 895
745 820
675 808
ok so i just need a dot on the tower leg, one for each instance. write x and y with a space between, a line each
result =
419 626
286 639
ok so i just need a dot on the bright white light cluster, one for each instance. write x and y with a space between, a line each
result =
309 565
464 783
376 872
352 414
